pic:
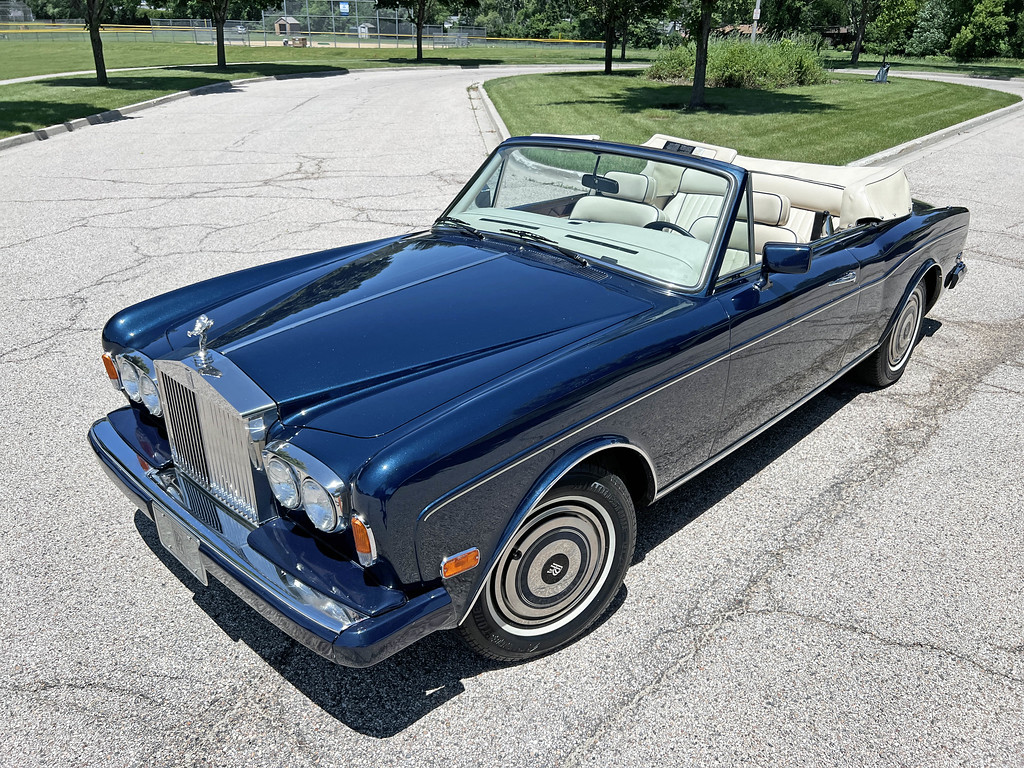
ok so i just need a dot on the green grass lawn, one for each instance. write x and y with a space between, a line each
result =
30 106
24 58
835 123
998 69
38 104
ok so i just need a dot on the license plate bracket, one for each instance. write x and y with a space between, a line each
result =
179 542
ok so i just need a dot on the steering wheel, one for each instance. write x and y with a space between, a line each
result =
667 225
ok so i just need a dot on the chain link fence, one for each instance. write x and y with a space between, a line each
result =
353 24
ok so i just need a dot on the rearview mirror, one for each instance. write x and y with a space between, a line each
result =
601 184
786 258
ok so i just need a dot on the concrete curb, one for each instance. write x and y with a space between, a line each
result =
492 113
114 115
894 153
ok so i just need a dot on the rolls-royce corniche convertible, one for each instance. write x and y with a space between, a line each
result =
455 428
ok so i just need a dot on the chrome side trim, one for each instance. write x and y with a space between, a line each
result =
658 388
767 425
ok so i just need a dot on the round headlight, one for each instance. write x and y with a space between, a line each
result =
283 482
320 506
150 396
129 379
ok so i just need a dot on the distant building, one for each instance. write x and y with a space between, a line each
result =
287 25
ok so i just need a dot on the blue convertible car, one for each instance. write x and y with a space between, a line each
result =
455 428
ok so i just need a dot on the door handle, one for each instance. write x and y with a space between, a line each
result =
849 277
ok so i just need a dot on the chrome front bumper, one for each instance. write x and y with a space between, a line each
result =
338 630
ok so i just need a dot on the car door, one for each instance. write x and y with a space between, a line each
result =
787 338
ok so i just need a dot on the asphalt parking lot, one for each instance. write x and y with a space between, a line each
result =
847 589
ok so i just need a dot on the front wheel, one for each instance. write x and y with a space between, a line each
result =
889 361
560 571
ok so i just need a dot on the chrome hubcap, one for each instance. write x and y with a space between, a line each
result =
555 567
905 333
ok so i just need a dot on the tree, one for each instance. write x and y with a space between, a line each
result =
700 65
219 11
860 11
933 29
420 11
983 36
94 10
892 24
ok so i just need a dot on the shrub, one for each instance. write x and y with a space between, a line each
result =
983 36
673 63
737 63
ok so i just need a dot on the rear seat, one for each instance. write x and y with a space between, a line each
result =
771 219
806 198
632 204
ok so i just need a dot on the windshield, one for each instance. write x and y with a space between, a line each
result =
654 219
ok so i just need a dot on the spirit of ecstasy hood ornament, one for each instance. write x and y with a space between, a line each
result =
203 324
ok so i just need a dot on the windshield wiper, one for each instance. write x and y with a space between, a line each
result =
526 234
460 225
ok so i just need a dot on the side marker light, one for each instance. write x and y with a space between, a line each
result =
453 565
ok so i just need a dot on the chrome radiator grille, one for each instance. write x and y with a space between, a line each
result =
210 442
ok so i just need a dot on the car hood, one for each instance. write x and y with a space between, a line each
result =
366 346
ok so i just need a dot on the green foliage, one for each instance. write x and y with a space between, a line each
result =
983 36
673 63
736 63
892 26
933 29
1016 41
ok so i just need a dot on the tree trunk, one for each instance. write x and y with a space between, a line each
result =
622 53
609 42
220 16
862 24
222 59
700 65
93 10
421 12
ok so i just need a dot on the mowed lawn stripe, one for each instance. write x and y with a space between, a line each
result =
845 119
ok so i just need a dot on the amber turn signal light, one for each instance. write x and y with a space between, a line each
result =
366 546
456 564
108 363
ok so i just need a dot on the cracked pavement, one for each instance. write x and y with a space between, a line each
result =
844 590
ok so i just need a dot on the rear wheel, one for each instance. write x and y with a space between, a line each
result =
561 571
889 361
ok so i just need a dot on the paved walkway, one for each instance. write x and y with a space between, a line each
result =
847 593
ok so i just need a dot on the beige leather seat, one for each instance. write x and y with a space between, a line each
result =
699 194
630 205
771 215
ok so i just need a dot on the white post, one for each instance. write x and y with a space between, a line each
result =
753 28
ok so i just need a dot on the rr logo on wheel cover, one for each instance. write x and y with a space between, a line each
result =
554 569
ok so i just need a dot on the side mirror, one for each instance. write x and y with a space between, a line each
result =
786 258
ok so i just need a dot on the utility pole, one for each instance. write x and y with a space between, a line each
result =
753 28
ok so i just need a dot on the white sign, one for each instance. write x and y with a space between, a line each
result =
757 14
343 9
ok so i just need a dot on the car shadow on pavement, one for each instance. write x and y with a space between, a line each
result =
380 701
